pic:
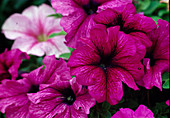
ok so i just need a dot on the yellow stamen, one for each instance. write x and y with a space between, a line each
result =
42 38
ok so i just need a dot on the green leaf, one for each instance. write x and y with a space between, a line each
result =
56 34
56 15
166 17
160 110
152 7
19 3
106 106
144 4
2 115
166 84
165 76
93 113
163 12
38 2
71 49
107 114
65 55
3 4
155 18
33 63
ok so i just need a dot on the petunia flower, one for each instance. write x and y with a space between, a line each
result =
141 112
31 31
14 94
167 102
78 16
62 100
131 23
156 60
106 59
10 62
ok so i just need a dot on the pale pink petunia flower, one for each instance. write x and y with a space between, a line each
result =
31 30
15 94
156 60
63 99
108 58
141 112
78 16
10 62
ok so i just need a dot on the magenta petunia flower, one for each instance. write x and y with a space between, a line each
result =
31 31
167 102
62 100
79 14
141 112
131 23
14 94
10 62
108 58
156 60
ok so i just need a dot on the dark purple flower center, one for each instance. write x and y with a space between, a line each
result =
106 61
34 89
150 56
91 7
120 23
20 73
69 96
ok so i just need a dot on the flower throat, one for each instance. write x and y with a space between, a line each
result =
91 7
69 96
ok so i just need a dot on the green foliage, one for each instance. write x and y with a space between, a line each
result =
153 9
33 63
165 79
67 55
55 15
160 110
100 110
57 34
64 55
2 115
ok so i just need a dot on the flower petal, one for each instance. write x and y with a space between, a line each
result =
114 87
18 26
24 44
107 17
18 111
143 111
86 75
140 23
98 89
60 47
142 37
84 102
124 113
65 7
113 4
47 109
83 56
129 9
56 67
